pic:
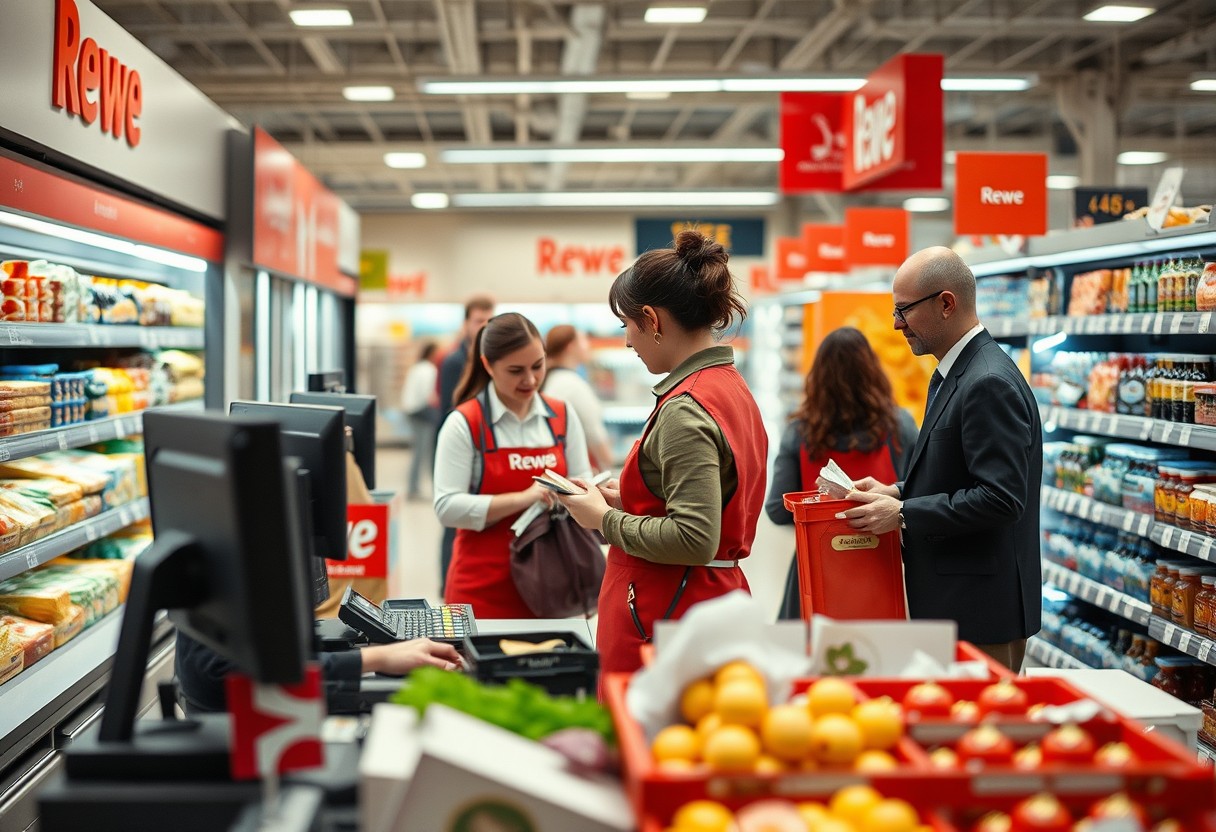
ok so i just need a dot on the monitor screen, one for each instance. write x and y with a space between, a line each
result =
314 434
329 381
360 418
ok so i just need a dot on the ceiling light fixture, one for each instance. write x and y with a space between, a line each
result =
428 201
321 17
1062 182
1204 83
405 160
371 93
524 155
993 83
662 87
90 238
791 84
616 199
653 95
926 204
1116 13
675 14
1142 157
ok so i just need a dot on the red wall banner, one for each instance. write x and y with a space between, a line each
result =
882 146
791 259
824 247
367 535
1000 193
295 219
45 194
812 137
876 236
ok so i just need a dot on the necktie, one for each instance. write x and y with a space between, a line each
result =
935 383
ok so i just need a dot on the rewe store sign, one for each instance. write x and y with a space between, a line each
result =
1000 193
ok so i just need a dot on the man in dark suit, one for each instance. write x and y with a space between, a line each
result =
969 504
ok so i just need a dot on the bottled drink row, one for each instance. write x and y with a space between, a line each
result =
1176 284
1172 387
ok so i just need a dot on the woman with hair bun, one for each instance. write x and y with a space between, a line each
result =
502 432
684 511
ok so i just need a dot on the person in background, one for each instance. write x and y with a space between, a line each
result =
477 310
502 433
566 349
848 413
421 405
969 501
685 508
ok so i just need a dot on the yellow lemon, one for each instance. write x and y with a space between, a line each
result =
881 722
836 740
732 748
703 816
676 742
890 816
786 732
831 696
737 670
741 702
706 725
873 761
697 701
852 803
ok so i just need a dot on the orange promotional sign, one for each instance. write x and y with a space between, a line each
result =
791 258
824 247
876 236
1000 193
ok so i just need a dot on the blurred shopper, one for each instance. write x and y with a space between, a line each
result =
421 405
502 433
969 501
684 511
566 349
848 413
477 310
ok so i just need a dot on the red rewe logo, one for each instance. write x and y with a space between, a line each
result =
554 258
81 68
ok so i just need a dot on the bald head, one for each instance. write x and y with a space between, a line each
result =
937 291
939 268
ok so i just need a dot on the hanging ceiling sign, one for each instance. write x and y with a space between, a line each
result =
876 236
824 247
1000 193
812 138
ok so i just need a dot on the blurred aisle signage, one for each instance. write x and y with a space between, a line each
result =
295 219
866 140
742 237
373 270
792 261
876 236
1095 206
1000 193
824 246
559 258
882 145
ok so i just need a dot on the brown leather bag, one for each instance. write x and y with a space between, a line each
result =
558 566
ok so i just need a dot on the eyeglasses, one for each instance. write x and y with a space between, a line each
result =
900 311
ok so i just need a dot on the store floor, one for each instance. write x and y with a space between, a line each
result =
417 560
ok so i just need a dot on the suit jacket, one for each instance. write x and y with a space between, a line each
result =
971 501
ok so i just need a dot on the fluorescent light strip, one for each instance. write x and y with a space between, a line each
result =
675 14
1048 343
508 155
1204 85
89 238
1010 84
321 17
429 201
791 84
372 93
926 204
615 199
572 85
1062 182
404 160
1119 14
1142 157
552 86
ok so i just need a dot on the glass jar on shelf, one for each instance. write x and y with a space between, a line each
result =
1167 678
1205 606
1183 592
1157 589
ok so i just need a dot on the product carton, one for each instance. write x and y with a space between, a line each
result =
471 775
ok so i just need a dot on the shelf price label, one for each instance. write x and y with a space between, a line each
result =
1205 322
1205 549
1205 650
1158 323
31 558
1129 520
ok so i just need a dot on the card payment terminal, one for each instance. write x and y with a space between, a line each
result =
449 622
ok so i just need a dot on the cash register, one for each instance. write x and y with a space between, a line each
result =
402 620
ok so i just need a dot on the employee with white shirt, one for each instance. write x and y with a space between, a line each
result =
420 403
502 433
969 502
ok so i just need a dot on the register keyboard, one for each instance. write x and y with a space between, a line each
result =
449 622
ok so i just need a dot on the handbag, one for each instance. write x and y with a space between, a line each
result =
558 566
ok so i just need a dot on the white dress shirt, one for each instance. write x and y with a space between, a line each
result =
458 463
949 359
570 387
419 386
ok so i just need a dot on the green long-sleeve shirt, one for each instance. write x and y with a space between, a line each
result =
686 461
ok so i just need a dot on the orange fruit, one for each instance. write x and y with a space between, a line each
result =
786 732
852 803
831 696
706 725
676 742
703 816
873 760
697 700
768 764
889 816
836 739
732 748
741 702
738 670
677 765
881 722
812 814
831 824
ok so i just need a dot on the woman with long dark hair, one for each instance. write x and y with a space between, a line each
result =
848 413
684 511
502 432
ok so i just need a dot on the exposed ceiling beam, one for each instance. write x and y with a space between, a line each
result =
728 57
826 31
322 54
579 57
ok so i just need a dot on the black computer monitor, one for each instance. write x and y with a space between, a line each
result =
360 418
328 381
226 560
314 434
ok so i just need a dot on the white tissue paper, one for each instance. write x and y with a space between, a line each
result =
923 666
709 635
833 480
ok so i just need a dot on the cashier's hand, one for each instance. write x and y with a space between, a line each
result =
879 514
588 509
537 493
873 486
400 658
612 492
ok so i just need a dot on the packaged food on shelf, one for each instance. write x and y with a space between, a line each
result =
12 654
36 639
1089 293
70 626
1205 293
47 605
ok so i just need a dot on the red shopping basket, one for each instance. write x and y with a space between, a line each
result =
844 573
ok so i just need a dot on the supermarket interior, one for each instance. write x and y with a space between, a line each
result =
262 264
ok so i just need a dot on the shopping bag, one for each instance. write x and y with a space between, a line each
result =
558 566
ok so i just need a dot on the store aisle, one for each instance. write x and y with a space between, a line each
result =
417 560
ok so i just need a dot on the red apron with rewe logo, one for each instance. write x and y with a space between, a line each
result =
480 573
637 592
857 464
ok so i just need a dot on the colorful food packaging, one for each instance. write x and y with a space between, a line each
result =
35 638
12 654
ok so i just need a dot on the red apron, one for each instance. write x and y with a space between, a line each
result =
857 464
637 592
480 573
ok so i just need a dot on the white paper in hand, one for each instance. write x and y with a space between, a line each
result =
834 480
709 635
